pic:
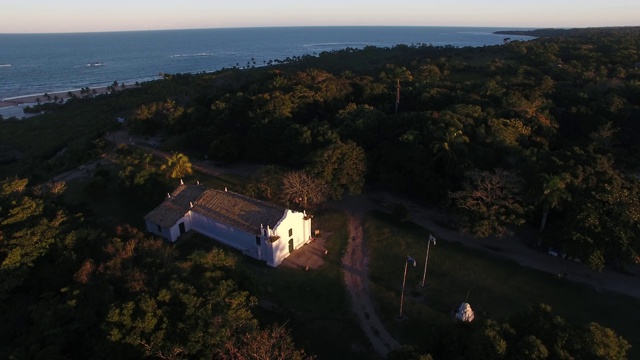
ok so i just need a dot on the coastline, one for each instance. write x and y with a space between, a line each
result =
194 51
33 99
14 107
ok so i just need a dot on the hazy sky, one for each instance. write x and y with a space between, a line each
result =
34 16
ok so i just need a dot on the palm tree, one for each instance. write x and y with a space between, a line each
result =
177 166
554 193
397 74
445 147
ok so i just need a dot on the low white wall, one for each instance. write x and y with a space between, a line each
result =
227 235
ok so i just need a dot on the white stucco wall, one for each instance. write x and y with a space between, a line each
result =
227 235
175 229
172 233
301 230
266 250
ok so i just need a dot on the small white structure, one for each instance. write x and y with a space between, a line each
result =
259 229
464 312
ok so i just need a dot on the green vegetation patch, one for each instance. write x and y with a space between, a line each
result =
495 288
56 141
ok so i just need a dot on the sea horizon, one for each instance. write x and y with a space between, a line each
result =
32 64
283 27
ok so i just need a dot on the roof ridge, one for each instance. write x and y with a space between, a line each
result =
266 203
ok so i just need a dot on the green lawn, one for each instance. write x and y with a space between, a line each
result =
495 288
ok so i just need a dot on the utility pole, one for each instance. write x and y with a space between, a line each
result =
426 260
404 280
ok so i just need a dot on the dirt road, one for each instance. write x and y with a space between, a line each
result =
356 277
122 137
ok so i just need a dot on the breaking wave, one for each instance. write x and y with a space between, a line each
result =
191 55
333 44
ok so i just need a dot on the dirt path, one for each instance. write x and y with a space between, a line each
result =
122 137
356 276
355 265
86 170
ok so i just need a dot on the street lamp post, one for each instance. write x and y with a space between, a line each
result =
426 260
404 280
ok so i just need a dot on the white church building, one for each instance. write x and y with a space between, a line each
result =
259 229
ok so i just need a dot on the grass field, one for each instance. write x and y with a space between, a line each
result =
495 288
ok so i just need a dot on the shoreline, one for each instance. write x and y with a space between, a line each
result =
18 101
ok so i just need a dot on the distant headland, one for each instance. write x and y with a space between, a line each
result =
554 32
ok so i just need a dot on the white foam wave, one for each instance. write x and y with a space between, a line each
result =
336 44
5 65
475 33
191 55
95 64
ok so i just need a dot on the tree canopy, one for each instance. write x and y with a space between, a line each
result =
539 133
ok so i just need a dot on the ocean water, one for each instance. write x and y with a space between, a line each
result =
32 64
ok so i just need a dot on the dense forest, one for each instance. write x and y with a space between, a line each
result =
538 134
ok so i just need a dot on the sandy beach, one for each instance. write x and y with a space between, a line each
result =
14 107
33 99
